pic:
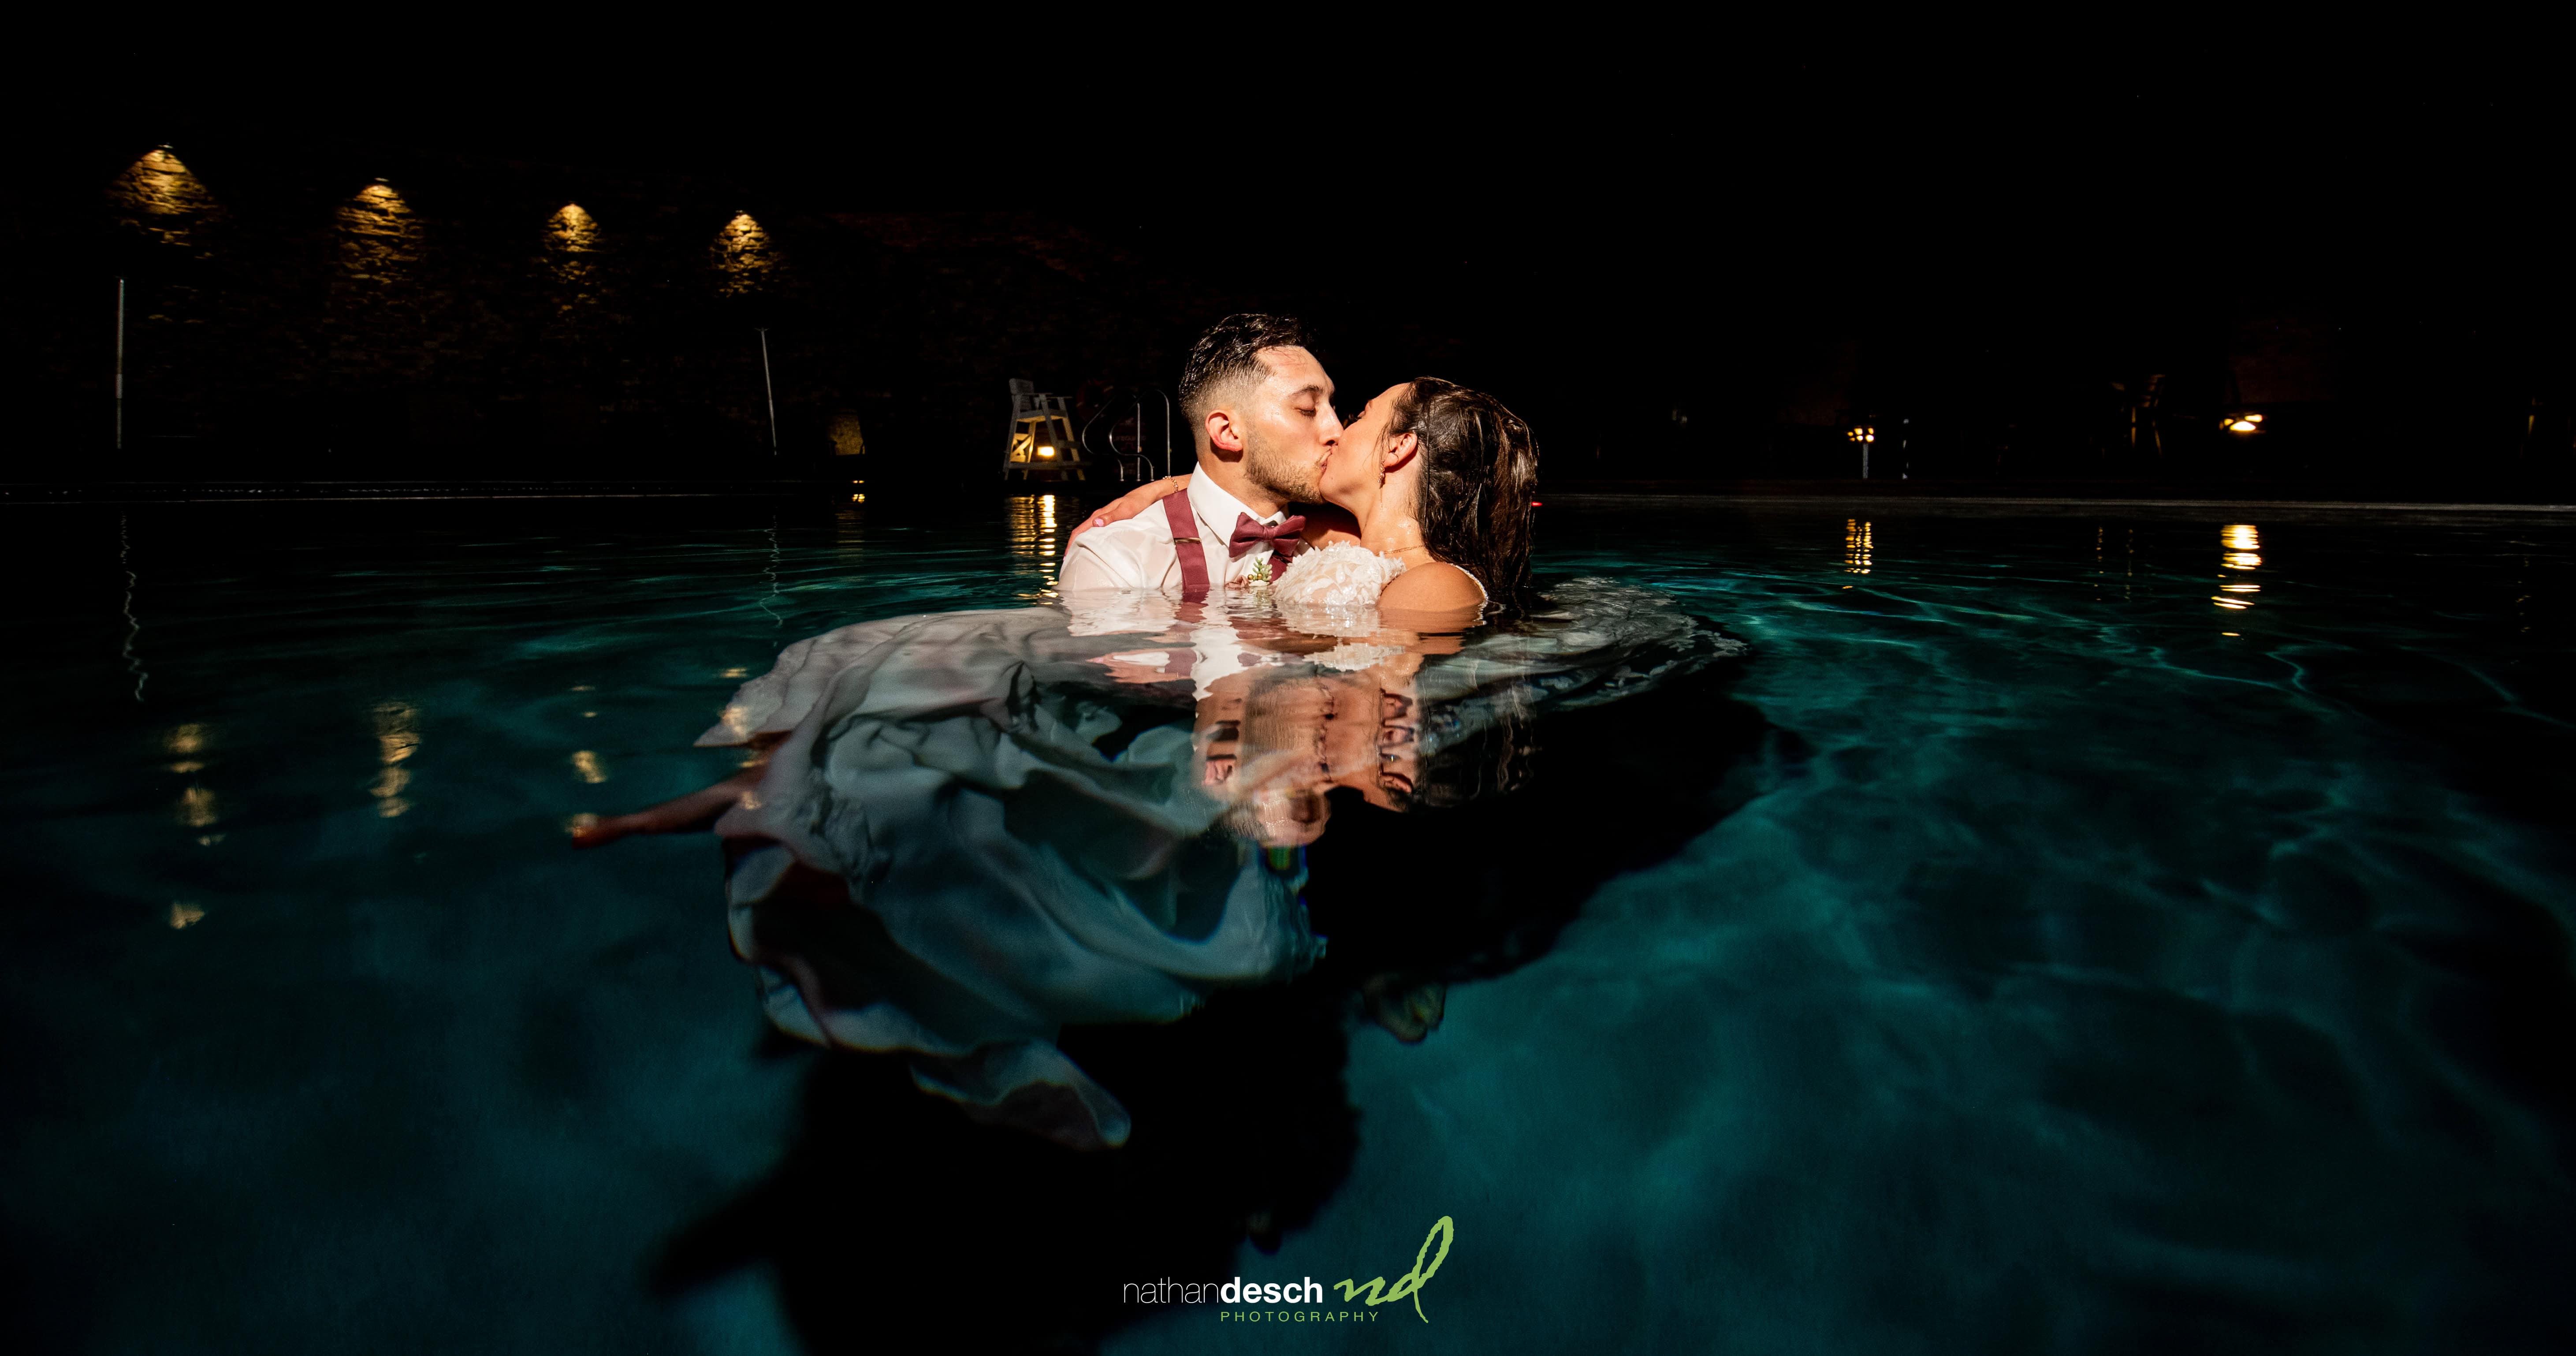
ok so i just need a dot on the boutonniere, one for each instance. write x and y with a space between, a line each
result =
1261 570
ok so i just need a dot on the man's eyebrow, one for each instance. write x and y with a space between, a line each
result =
1309 389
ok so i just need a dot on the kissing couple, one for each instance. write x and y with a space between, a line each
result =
1425 496
958 832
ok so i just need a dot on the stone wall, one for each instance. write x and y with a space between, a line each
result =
471 317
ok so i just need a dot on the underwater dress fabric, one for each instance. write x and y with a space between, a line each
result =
1007 877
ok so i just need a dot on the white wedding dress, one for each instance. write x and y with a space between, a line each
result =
1006 876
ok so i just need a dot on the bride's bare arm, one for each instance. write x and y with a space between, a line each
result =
1128 505
1431 592
696 810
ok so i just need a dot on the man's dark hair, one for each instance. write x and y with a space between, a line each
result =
1230 352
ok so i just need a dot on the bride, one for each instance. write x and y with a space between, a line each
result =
964 830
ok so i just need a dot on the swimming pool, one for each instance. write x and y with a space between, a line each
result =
2067 929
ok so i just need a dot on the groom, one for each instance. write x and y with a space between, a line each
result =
1260 410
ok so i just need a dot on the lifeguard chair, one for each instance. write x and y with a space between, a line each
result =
1042 441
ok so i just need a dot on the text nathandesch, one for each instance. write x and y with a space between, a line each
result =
1302 1292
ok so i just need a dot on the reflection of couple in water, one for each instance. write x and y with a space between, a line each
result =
969 831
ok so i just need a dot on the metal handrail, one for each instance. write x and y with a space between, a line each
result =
1136 398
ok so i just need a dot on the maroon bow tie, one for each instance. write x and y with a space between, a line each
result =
1282 535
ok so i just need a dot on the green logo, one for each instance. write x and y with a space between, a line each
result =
1411 1282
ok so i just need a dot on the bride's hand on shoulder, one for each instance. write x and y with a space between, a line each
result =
1128 505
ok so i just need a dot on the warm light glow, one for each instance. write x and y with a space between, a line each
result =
183 913
1034 535
1856 546
586 765
1863 434
389 785
2243 542
1046 451
743 256
162 198
197 807
2241 425
396 742
379 237
571 231
185 739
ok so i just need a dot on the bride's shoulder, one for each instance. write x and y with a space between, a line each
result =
1437 587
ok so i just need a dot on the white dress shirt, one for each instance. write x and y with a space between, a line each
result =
1138 553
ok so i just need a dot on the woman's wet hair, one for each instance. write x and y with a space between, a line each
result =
1479 470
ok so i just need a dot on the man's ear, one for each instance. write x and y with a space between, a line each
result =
1399 449
1222 433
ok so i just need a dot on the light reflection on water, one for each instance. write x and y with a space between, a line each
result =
1856 547
1031 530
397 739
2241 543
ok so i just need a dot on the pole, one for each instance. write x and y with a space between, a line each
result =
769 390
120 364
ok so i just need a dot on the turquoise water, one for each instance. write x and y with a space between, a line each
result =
2064 932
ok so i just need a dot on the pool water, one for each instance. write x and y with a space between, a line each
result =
2066 930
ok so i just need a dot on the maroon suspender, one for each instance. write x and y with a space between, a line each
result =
1185 534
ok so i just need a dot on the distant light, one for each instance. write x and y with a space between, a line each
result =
1046 451
858 499
2242 422
1534 504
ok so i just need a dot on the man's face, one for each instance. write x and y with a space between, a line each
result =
1288 425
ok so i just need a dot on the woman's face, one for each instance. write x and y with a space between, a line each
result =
1351 468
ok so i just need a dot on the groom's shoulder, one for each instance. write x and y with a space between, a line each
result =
1124 551
1137 533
